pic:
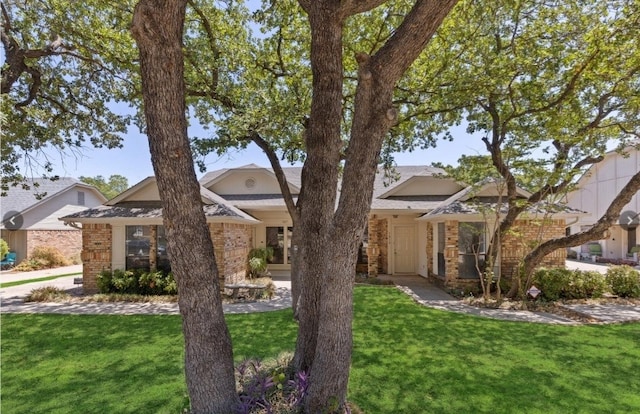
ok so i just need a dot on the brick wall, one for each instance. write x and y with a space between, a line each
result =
96 254
231 246
68 242
525 235
377 249
451 251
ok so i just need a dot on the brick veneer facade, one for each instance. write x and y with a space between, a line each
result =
68 242
96 254
231 245
377 250
525 235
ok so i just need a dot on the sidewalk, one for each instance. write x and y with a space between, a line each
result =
417 287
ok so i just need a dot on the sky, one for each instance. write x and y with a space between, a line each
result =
133 161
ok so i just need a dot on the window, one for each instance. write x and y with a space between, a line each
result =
441 245
81 198
471 249
138 243
280 242
138 247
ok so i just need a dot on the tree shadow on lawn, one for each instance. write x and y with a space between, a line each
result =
113 363
411 359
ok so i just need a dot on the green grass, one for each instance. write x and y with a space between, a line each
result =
39 279
406 359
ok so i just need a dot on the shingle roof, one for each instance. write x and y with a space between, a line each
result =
40 190
477 207
129 211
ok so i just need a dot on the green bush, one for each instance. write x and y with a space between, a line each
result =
551 282
137 282
585 284
4 248
559 283
624 281
259 261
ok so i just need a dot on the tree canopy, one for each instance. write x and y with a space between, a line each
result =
64 68
110 188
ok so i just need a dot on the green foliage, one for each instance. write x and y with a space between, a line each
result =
586 284
259 261
4 248
137 282
111 188
81 61
43 257
560 283
624 281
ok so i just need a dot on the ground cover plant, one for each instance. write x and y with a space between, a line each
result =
406 359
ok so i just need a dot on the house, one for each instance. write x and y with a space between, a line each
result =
30 215
127 233
415 225
595 191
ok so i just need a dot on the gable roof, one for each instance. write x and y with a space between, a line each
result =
292 175
39 192
127 206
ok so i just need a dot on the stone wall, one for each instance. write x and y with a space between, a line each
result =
68 242
231 246
96 254
451 251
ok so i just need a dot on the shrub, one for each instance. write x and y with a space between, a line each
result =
259 261
624 281
46 294
585 284
137 282
559 283
4 248
43 257
551 282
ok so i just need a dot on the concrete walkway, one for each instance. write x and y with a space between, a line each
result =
423 292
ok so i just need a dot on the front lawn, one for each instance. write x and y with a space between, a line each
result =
406 359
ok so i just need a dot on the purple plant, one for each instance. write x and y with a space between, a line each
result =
299 385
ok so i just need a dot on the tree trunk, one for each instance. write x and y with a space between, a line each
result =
333 238
157 28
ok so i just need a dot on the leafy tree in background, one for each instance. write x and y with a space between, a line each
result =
53 50
547 85
111 188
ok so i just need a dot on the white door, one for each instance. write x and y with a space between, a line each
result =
404 249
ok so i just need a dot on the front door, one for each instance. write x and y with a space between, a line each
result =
404 249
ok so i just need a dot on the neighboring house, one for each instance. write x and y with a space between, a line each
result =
39 208
420 222
596 190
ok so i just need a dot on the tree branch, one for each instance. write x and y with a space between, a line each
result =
277 170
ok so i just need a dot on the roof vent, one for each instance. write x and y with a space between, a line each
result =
250 183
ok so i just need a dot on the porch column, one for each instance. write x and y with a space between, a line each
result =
451 252
429 249
153 248
373 250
